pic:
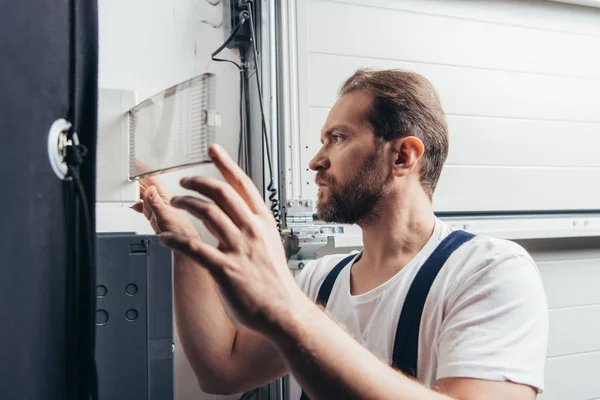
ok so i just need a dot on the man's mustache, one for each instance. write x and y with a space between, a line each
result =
320 179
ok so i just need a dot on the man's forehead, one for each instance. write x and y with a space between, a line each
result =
350 109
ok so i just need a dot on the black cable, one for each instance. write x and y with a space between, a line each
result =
81 368
74 159
242 117
273 196
243 19
73 265
242 146
243 142
244 16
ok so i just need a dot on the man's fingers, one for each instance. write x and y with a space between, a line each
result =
217 222
156 204
153 203
138 207
194 248
224 196
236 177
154 180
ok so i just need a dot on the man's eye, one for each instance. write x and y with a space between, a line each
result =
336 138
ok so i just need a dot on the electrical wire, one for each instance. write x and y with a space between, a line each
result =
74 159
242 143
242 146
243 150
81 271
242 155
273 196
243 19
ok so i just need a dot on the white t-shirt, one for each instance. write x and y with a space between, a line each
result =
485 316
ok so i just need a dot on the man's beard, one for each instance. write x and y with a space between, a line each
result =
354 201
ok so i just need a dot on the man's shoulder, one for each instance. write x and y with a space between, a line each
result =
494 312
496 247
484 250
483 247
311 277
491 261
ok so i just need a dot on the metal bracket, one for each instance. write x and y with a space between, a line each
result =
303 237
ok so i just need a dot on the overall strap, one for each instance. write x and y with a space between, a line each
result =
406 344
325 291
327 285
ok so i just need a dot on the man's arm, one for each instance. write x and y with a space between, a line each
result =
329 364
225 360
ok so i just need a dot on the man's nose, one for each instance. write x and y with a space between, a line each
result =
319 162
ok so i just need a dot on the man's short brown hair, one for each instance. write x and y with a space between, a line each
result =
406 104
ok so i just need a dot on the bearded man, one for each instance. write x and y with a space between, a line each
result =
455 315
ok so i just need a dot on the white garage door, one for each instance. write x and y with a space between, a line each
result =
519 80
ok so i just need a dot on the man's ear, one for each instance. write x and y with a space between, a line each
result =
407 151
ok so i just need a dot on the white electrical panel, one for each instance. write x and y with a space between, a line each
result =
112 165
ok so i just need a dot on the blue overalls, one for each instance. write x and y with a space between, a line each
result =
406 342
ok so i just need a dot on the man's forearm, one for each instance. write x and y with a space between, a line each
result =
329 363
206 332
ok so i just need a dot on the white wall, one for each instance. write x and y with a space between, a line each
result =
570 270
148 46
519 81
